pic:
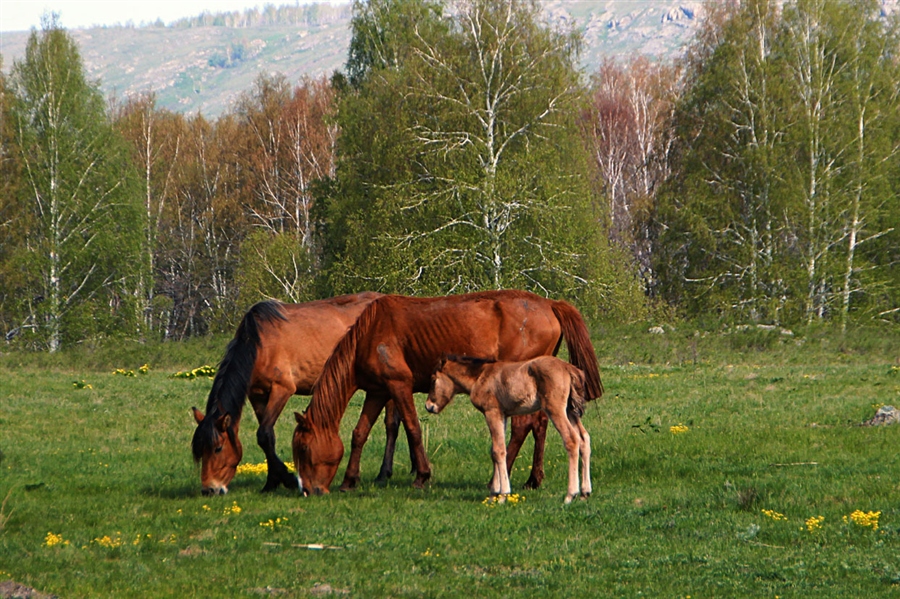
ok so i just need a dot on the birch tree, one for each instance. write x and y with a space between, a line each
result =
79 185
483 183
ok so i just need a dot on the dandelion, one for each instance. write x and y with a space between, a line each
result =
207 371
123 372
430 553
512 498
678 429
144 369
774 515
864 519
234 509
273 523
205 508
110 542
261 468
52 540
814 523
81 385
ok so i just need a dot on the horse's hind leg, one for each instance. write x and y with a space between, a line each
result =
539 431
371 410
391 430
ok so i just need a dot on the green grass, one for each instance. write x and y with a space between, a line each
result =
772 424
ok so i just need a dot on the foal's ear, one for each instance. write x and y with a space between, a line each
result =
302 424
198 415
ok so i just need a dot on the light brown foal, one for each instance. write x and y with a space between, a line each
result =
503 389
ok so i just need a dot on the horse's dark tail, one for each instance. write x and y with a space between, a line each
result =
581 350
337 381
229 388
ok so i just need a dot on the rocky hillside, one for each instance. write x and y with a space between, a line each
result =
203 64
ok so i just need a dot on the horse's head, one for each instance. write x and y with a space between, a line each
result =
441 392
317 455
217 447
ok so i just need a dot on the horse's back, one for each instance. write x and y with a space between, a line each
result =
506 325
293 351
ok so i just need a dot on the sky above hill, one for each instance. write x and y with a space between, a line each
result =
22 15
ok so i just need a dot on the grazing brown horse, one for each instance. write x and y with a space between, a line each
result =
503 389
394 348
278 351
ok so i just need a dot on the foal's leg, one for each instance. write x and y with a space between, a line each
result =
496 423
585 459
371 410
572 441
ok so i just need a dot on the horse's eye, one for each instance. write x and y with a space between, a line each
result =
219 449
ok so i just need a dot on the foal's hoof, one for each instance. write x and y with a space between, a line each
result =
270 486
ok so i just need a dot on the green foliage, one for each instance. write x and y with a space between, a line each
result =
106 486
781 191
78 200
460 167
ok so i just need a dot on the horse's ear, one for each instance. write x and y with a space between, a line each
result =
223 423
198 415
302 424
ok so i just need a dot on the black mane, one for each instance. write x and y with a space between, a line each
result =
232 379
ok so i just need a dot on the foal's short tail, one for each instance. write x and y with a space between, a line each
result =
577 397
581 350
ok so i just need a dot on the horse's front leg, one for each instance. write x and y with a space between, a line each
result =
401 393
267 409
372 408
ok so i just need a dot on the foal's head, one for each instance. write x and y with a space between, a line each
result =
218 449
454 374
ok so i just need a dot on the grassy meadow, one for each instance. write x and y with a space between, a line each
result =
724 465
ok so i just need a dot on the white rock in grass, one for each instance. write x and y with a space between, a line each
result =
884 416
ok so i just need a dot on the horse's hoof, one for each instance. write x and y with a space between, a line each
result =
532 483
349 484
569 499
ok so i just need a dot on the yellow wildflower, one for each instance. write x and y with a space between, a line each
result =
814 523
52 540
864 519
234 509
678 429
774 515
107 541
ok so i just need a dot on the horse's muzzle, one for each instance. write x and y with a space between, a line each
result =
207 491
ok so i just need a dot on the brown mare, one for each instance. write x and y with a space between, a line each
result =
503 389
394 348
278 351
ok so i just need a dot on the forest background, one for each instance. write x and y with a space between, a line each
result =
754 179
